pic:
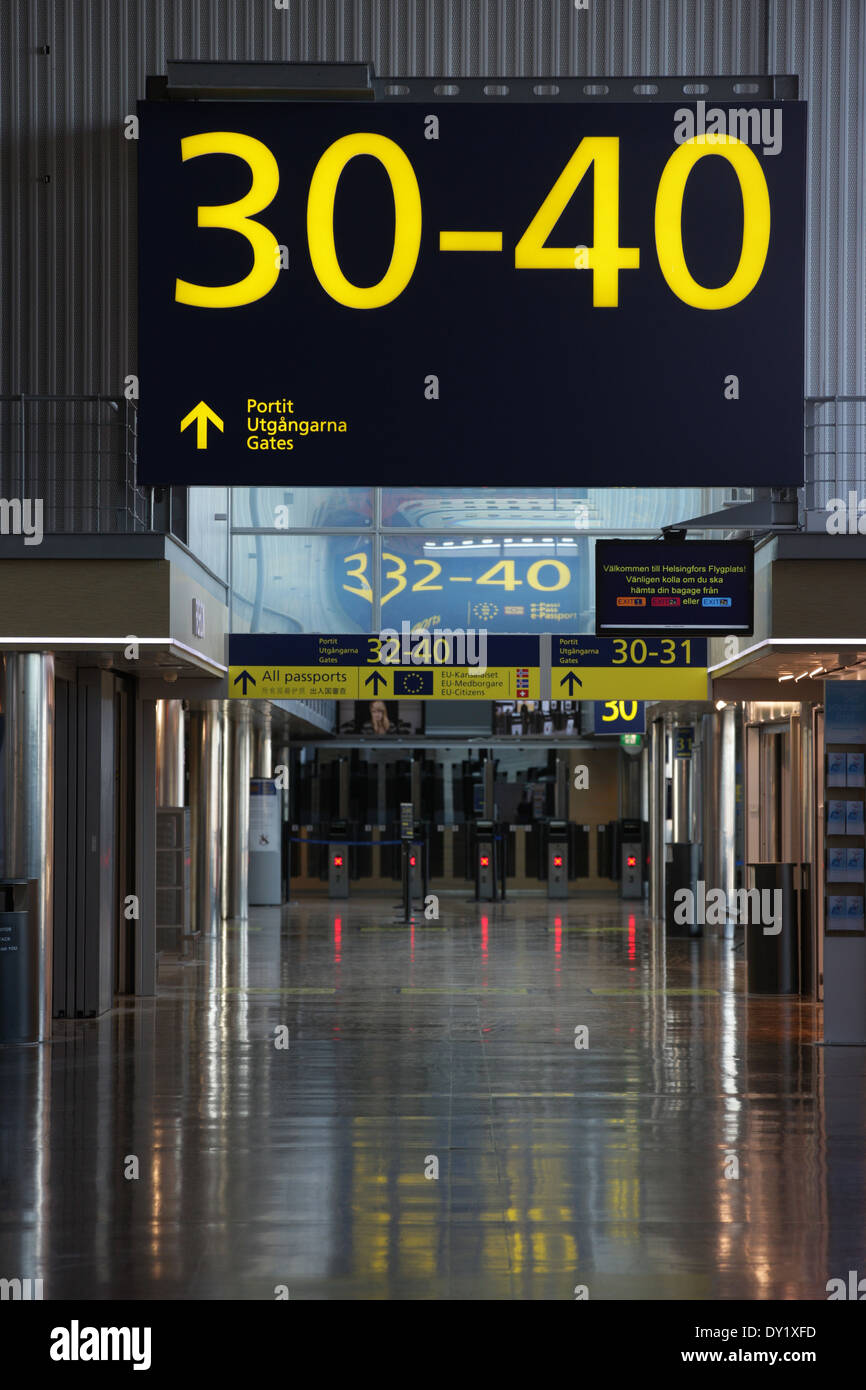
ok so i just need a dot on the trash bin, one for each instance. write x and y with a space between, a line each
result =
773 958
19 960
678 875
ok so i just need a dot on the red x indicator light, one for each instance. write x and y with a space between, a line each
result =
557 861
484 861
631 861
338 861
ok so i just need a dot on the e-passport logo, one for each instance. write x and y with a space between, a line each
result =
75 1343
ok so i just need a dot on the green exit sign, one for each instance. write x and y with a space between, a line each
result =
631 740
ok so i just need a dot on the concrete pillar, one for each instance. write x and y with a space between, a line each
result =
727 805
205 739
169 753
29 796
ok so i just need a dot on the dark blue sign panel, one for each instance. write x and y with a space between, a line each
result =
349 292
674 586
407 649
620 717
584 649
684 741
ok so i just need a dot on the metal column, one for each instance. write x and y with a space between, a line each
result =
727 805
204 795
657 819
145 843
560 788
696 802
238 770
29 796
629 784
225 718
680 807
489 772
645 783
710 745
282 761
169 753
264 746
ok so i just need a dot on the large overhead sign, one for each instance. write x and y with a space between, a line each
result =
472 665
437 665
348 292
665 586
604 668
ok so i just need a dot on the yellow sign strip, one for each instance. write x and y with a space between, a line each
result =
293 682
629 683
382 683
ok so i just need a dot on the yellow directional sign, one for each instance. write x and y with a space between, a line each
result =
443 665
421 666
293 683
606 683
584 667
383 682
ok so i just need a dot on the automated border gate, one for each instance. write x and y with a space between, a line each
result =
448 666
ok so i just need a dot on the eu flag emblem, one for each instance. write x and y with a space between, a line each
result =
413 682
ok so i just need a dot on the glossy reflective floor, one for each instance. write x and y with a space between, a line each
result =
611 1165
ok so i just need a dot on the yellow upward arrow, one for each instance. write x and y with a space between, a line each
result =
201 413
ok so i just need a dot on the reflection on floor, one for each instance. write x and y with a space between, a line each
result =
453 1043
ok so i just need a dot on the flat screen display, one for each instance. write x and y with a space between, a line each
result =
674 586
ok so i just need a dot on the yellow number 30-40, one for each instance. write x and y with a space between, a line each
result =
237 218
